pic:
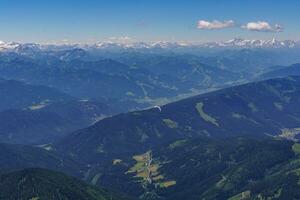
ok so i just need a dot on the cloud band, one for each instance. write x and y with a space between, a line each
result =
259 26
202 24
262 26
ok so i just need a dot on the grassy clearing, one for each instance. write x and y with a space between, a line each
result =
241 196
140 168
237 116
278 106
167 184
205 117
253 107
95 179
176 144
131 94
296 148
159 177
146 169
222 182
170 123
137 167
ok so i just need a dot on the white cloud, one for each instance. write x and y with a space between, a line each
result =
122 39
202 24
262 26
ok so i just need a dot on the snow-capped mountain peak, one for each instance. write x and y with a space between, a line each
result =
8 45
245 43
108 45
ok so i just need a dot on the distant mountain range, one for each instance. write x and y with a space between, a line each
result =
234 43
152 79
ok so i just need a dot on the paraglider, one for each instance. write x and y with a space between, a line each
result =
158 107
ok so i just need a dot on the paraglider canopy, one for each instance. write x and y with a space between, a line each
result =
158 107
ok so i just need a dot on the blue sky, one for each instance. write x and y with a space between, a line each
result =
145 20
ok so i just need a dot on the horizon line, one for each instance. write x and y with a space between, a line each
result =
182 42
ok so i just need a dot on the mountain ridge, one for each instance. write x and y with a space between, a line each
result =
37 183
233 43
239 110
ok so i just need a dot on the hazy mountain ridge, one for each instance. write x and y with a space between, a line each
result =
19 95
33 114
282 71
233 43
141 85
255 109
47 123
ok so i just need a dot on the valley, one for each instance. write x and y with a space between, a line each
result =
153 123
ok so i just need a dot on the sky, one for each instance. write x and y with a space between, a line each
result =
89 21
